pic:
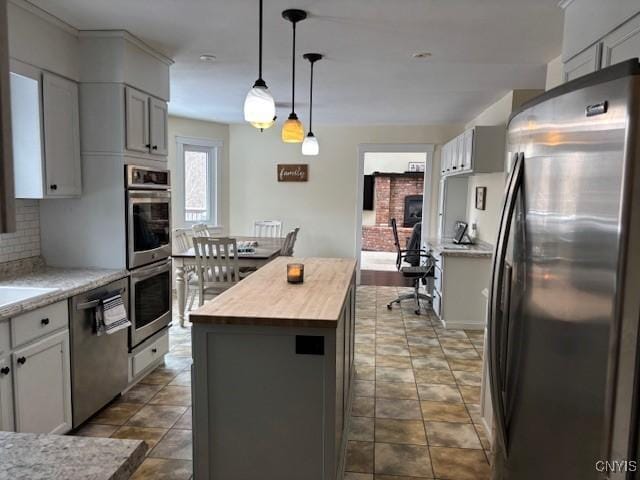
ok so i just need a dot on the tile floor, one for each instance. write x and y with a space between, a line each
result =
414 413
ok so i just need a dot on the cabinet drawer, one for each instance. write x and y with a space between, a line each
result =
150 354
4 337
437 279
38 323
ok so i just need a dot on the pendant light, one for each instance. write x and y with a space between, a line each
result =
310 145
259 106
292 130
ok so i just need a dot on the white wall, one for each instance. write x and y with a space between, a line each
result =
185 127
325 206
554 73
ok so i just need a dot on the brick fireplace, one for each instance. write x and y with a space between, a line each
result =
390 197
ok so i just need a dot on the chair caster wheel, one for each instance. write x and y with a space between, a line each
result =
417 312
389 306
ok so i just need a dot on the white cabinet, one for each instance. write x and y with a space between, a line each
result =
583 64
477 150
6 395
146 123
622 44
46 135
42 385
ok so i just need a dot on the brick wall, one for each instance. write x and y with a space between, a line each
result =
390 192
25 242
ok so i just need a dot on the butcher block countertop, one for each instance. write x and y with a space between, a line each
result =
265 298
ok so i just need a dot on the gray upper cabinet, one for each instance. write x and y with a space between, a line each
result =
622 44
146 123
158 127
583 63
61 137
46 135
137 122
613 35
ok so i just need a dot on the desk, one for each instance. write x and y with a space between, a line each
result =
267 250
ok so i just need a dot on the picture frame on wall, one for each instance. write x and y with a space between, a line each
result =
481 197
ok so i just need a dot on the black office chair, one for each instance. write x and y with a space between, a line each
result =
419 269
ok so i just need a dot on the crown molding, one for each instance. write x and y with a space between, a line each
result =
563 4
128 37
46 16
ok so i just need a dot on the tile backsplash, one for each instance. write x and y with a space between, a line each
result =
25 242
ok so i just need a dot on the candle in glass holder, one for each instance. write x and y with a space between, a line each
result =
295 272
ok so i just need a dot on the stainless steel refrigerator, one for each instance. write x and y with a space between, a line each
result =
565 290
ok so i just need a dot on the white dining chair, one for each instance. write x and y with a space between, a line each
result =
289 243
216 265
201 230
183 242
267 228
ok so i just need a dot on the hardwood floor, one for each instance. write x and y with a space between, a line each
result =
381 278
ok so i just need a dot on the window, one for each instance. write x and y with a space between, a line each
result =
198 160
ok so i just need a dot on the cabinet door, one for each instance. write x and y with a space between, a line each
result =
137 122
61 136
623 44
467 141
459 160
441 203
583 63
42 386
443 158
6 396
158 126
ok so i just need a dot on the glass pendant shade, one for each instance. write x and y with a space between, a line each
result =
292 130
310 145
264 125
259 106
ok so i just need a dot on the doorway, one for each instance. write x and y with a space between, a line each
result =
394 182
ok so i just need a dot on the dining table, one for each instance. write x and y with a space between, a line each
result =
265 250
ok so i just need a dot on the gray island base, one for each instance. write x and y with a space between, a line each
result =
272 371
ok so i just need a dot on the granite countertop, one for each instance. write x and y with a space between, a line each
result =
29 456
67 282
445 246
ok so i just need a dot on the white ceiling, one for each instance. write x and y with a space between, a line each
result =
481 49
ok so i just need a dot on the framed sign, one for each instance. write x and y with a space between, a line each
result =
293 172
416 167
481 197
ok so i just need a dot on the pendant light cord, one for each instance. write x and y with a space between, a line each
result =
311 101
260 44
293 72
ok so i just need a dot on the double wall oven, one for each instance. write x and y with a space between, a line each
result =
148 250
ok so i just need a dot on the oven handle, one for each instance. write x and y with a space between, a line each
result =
149 194
145 272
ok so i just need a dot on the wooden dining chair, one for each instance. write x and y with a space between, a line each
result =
216 265
289 243
267 228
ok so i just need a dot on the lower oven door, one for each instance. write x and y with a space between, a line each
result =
150 300
148 227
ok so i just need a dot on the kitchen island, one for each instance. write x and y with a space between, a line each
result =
272 373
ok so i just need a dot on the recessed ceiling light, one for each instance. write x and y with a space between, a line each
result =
421 55
207 58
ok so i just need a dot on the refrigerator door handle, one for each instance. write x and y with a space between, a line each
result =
496 300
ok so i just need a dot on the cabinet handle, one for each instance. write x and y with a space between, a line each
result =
5 370
455 168
154 350
155 147
53 186
22 360
44 321
148 145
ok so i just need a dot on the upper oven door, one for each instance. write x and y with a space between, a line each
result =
145 178
148 227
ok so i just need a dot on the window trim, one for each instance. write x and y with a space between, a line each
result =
215 173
